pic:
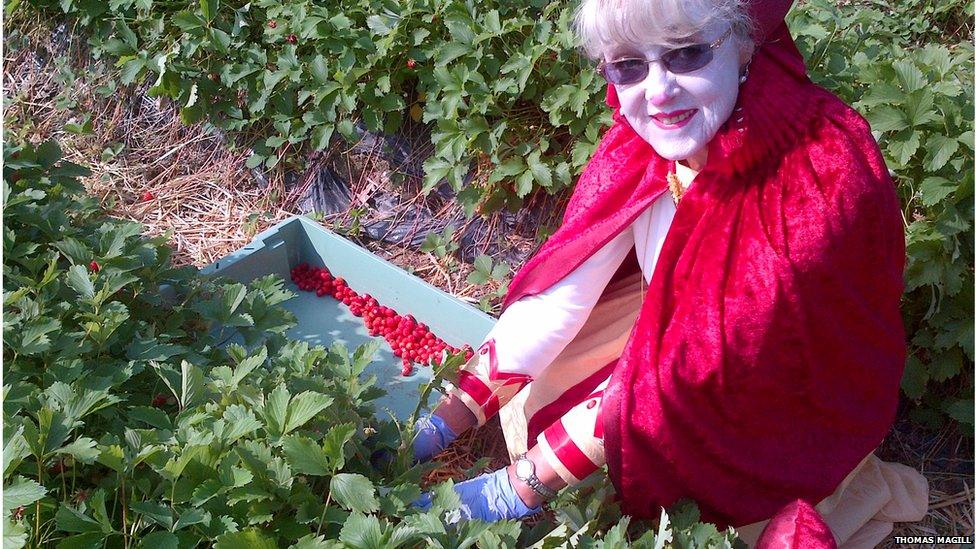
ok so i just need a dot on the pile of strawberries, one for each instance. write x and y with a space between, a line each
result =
413 342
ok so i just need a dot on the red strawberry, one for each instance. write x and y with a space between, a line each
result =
147 196
159 400
94 266
411 63
272 24
291 39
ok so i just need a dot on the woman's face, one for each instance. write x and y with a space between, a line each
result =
678 114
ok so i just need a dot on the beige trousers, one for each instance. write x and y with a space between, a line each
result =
862 511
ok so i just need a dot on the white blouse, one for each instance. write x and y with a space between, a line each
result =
532 332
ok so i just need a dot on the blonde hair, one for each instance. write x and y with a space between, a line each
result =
603 24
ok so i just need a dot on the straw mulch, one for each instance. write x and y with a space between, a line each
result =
211 204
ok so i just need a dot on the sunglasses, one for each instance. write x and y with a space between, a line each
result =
677 61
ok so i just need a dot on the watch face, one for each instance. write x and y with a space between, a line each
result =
524 469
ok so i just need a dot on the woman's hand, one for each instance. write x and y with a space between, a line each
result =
437 431
431 435
489 497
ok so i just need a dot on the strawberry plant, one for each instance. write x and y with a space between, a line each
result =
918 97
131 420
485 271
441 244
500 84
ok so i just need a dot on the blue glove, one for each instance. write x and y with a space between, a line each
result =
489 497
431 435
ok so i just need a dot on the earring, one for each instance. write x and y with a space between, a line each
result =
745 75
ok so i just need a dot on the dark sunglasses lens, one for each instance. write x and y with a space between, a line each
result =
626 71
687 59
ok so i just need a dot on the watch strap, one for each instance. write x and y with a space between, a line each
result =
533 481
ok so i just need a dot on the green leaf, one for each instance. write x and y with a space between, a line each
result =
254 161
191 386
934 189
21 493
311 541
354 492
886 119
915 378
155 512
14 535
209 8
112 457
362 532
319 69
79 281
191 517
72 520
304 407
82 449
540 172
206 490
248 365
938 150
322 136
130 72
335 441
946 365
236 422
174 467
380 25
451 51
14 451
275 410
445 496
909 76
160 540
53 429
245 539
34 338
425 523
902 148
523 184
82 541
961 410
305 456
76 252
188 21
363 356
154 417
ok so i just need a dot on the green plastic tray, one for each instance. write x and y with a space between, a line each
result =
324 320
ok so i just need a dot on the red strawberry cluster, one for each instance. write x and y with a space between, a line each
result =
410 340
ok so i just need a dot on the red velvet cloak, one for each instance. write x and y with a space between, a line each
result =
766 358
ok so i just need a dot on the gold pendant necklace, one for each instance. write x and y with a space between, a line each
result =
677 189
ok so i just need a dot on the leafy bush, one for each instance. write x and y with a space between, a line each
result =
919 101
146 406
499 81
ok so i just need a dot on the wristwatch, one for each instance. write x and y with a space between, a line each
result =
525 471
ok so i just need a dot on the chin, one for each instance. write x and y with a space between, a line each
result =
670 152
675 149
674 155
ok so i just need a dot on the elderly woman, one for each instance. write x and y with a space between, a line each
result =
751 355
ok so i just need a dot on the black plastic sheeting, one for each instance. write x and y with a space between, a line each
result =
390 220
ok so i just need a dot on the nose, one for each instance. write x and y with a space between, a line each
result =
658 86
